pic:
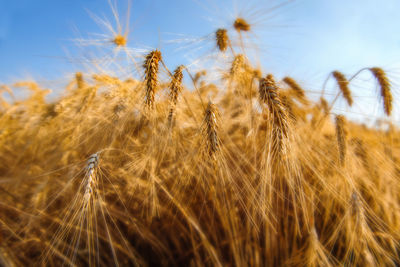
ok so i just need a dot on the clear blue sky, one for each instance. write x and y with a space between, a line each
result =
306 39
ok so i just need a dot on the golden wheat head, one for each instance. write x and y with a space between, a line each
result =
92 163
300 93
119 40
175 87
211 128
241 24
237 64
79 80
343 86
341 138
222 38
268 92
151 76
384 84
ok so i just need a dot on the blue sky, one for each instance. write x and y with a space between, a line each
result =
321 35
305 38
36 36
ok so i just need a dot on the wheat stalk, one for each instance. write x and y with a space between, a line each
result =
175 87
384 83
91 165
341 138
241 25
324 105
295 87
363 255
343 86
151 76
119 40
237 64
79 80
222 39
211 129
268 92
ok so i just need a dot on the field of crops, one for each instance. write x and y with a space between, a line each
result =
169 168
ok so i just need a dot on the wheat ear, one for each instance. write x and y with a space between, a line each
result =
92 163
343 86
79 80
222 38
268 92
151 76
241 25
175 87
296 88
341 138
384 84
211 129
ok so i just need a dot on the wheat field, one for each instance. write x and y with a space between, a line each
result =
169 168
